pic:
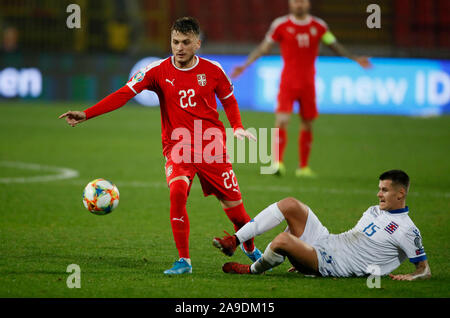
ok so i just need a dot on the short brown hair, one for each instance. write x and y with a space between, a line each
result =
186 25
398 177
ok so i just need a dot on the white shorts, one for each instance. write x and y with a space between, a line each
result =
314 230
317 235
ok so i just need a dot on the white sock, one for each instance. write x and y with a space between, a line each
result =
266 220
269 260
188 260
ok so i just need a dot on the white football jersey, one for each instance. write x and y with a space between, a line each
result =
381 238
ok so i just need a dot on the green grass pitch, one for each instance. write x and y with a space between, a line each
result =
44 226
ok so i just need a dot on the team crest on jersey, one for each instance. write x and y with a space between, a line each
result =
139 76
201 78
391 227
313 31
290 30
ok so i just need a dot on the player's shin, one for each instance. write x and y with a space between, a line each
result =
279 144
239 217
179 218
305 140
269 260
266 220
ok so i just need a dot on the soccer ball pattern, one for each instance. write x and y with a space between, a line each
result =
100 197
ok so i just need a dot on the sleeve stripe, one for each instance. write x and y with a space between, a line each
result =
274 26
228 96
131 87
418 259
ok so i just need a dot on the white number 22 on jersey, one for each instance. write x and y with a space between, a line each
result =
189 94
229 180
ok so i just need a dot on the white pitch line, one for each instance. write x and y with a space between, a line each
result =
283 189
67 173
61 173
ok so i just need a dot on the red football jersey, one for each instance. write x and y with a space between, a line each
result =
299 42
187 98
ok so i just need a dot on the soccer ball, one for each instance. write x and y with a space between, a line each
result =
100 197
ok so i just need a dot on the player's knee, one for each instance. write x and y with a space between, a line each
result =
282 121
282 124
178 191
229 204
306 125
281 242
290 206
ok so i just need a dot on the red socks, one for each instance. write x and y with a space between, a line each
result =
280 144
180 221
239 217
179 217
304 146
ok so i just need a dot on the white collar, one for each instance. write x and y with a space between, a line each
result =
185 69
305 21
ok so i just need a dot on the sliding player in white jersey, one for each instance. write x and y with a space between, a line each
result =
384 237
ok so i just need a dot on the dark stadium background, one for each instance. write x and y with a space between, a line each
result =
88 63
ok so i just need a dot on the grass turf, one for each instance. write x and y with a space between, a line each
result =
44 226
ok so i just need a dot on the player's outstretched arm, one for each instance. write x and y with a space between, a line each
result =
262 49
422 272
108 104
340 50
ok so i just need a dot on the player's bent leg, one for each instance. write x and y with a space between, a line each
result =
295 214
289 208
301 255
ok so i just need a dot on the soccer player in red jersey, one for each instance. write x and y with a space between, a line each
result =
299 35
193 137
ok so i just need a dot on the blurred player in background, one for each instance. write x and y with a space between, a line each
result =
187 86
383 238
299 35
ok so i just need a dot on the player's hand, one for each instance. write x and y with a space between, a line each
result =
408 277
238 70
241 134
364 62
73 118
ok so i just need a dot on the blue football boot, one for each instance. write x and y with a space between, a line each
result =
254 256
179 267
